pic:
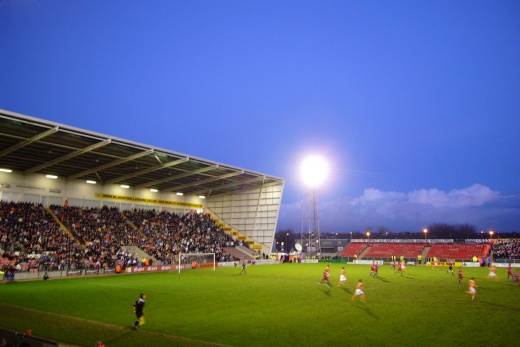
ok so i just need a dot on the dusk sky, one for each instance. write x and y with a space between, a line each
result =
414 104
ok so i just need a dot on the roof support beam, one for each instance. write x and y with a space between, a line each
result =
29 141
112 164
187 174
143 172
69 156
222 177
235 183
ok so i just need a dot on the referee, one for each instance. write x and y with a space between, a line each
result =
139 309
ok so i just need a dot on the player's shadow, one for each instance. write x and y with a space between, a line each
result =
382 279
346 290
325 290
409 277
363 307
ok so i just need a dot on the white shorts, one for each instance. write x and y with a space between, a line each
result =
342 278
472 290
358 292
492 274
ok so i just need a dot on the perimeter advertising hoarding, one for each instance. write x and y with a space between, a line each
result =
137 269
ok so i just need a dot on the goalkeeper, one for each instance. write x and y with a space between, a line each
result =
139 310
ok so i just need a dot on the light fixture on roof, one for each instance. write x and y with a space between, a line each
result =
153 190
180 194
91 182
125 186
51 176
202 197
6 170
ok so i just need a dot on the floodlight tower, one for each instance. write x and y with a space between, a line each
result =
314 170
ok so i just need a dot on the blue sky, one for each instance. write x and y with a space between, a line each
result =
415 104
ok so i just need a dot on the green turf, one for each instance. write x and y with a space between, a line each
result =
270 305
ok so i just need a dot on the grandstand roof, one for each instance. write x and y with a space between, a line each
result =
31 145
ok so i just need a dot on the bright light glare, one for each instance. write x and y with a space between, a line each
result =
314 171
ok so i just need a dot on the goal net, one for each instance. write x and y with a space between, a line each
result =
197 260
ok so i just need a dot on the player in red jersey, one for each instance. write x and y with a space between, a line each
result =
460 274
509 272
517 277
326 274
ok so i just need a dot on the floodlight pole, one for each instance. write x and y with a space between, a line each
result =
312 238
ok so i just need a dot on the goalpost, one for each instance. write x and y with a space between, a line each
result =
197 260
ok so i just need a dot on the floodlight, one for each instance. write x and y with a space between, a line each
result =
314 170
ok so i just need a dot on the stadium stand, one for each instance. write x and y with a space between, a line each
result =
506 249
173 233
32 240
386 250
353 249
456 251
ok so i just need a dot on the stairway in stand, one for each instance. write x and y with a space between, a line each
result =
237 252
365 251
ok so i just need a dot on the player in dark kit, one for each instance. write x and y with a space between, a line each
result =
450 268
139 309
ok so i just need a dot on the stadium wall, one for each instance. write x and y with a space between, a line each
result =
250 216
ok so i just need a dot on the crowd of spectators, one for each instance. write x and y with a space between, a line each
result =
170 233
82 238
31 240
102 232
506 249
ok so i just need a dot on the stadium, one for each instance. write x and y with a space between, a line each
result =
89 222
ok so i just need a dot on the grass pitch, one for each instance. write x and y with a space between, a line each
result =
270 305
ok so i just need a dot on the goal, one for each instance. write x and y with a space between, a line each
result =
197 260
